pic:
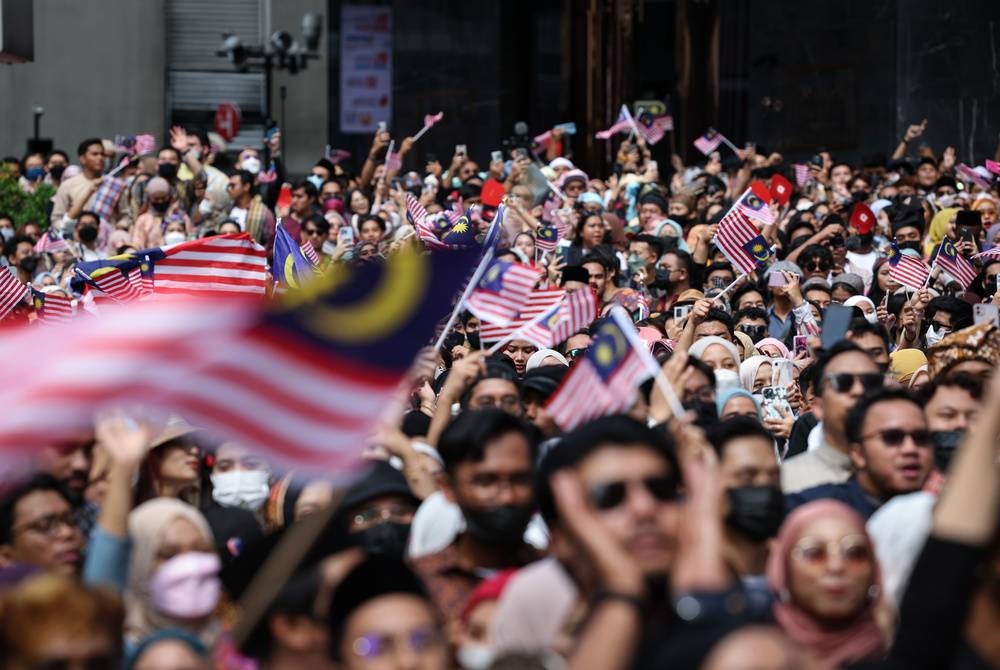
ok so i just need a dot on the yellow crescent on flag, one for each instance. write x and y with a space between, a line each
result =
290 277
612 346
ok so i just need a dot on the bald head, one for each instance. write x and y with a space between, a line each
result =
758 648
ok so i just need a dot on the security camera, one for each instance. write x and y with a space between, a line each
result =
281 41
312 25
232 46
38 110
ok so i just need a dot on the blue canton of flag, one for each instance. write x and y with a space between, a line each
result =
290 268
758 250
462 233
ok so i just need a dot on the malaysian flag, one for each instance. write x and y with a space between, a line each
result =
970 175
51 242
106 197
906 269
803 175
648 127
144 144
268 388
741 242
431 119
502 292
622 124
52 309
546 238
11 292
605 379
709 142
117 277
561 321
538 302
754 203
231 263
290 268
952 262
309 251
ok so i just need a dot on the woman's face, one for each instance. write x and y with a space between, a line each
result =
989 214
717 357
228 228
526 245
359 203
763 377
175 227
885 280
180 463
593 231
180 537
739 405
368 252
371 232
831 569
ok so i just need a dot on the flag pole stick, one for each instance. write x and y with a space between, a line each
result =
625 322
730 287
725 140
420 133
476 276
513 336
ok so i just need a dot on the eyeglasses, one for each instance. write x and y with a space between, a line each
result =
612 494
507 402
941 326
95 662
843 382
374 645
49 524
310 231
853 550
573 353
893 437
376 514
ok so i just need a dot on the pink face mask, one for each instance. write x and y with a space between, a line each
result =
187 586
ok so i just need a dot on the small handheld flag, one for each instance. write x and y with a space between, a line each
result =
502 292
741 242
952 262
906 269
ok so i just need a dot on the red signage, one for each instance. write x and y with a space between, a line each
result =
227 121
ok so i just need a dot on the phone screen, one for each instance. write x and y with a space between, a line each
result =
496 156
346 233
835 323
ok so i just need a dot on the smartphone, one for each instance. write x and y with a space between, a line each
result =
345 234
817 160
776 279
781 372
800 344
569 127
681 312
835 323
518 153
967 234
496 156
985 312
382 126
460 149
775 402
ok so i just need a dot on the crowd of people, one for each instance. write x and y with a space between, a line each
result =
828 499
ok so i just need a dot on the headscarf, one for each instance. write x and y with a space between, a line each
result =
681 242
747 348
857 641
146 525
698 348
904 364
535 359
722 399
774 343
749 369
939 229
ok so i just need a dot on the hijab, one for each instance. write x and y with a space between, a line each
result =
697 349
749 369
746 345
860 639
774 343
722 399
905 363
939 229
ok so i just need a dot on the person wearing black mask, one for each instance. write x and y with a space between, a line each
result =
378 510
951 405
20 253
908 226
489 461
87 227
753 504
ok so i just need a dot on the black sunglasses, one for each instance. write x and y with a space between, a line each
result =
893 437
612 494
842 382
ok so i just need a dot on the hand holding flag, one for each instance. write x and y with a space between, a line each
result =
430 120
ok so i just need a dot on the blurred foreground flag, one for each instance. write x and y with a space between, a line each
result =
300 382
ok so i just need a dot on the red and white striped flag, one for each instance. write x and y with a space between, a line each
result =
538 302
952 262
741 242
116 285
309 251
649 127
803 175
907 270
577 310
52 309
11 292
623 123
231 263
605 379
502 292
754 203
709 142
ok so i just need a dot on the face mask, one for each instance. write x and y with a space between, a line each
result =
205 207
57 171
332 203
159 207
251 164
498 526
187 586
174 237
756 511
247 489
872 318
385 539
29 264
635 263
705 412
756 333
315 180
87 234
475 657
912 244
34 173
860 196
933 336
661 280
167 170
7 233
945 444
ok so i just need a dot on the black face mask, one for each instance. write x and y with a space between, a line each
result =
473 339
57 171
159 207
498 526
706 413
385 539
29 264
755 333
662 280
756 511
945 444
167 170
913 244
87 234
860 196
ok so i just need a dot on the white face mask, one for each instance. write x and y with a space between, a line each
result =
475 656
174 237
933 336
251 164
872 317
247 489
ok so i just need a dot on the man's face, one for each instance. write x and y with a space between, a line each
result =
642 250
747 461
951 408
44 534
535 412
927 174
495 392
331 189
236 189
839 395
502 478
889 459
718 279
755 328
874 346
54 160
750 299
93 158
650 213
577 345
598 279
907 234
709 328
815 266
678 211
22 251
819 296
520 351
641 521
379 510
396 630
301 202
697 387
71 466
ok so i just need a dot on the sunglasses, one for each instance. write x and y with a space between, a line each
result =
842 382
612 494
817 265
854 550
893 437
573 353
375 645
310 231
941 326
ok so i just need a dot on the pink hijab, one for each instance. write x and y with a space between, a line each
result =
774 343
861 639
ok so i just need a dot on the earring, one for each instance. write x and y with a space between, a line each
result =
874 591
